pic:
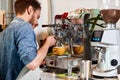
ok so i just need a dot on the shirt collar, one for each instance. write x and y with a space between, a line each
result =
19 19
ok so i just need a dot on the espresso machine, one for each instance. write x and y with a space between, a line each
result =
64 32
106 42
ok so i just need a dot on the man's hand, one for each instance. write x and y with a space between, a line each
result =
50 40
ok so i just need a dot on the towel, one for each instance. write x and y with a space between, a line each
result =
27 74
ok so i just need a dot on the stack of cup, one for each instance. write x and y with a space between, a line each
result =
85 69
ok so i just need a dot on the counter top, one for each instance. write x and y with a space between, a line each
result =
51 76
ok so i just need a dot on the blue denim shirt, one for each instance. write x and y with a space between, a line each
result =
17 48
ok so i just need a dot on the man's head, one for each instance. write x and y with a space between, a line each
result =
29 7
22 5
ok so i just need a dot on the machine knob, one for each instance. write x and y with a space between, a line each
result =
74 63
114 62
51 63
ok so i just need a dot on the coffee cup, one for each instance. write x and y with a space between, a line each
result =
58 50
78 49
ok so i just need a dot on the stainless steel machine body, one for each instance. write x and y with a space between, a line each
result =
62 62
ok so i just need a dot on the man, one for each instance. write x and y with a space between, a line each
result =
18 47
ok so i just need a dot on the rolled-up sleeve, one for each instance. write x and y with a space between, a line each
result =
26 42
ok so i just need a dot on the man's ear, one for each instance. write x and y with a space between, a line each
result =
30 10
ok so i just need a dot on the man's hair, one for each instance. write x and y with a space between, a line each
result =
21 5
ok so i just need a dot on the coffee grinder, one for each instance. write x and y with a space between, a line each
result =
107 41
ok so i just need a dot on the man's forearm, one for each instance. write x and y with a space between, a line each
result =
41 53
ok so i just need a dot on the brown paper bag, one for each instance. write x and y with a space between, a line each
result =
2 18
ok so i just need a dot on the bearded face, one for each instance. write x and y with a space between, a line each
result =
34 19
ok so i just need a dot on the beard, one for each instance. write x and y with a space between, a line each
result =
32 20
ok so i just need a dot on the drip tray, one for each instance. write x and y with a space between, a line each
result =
59 71
55 70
